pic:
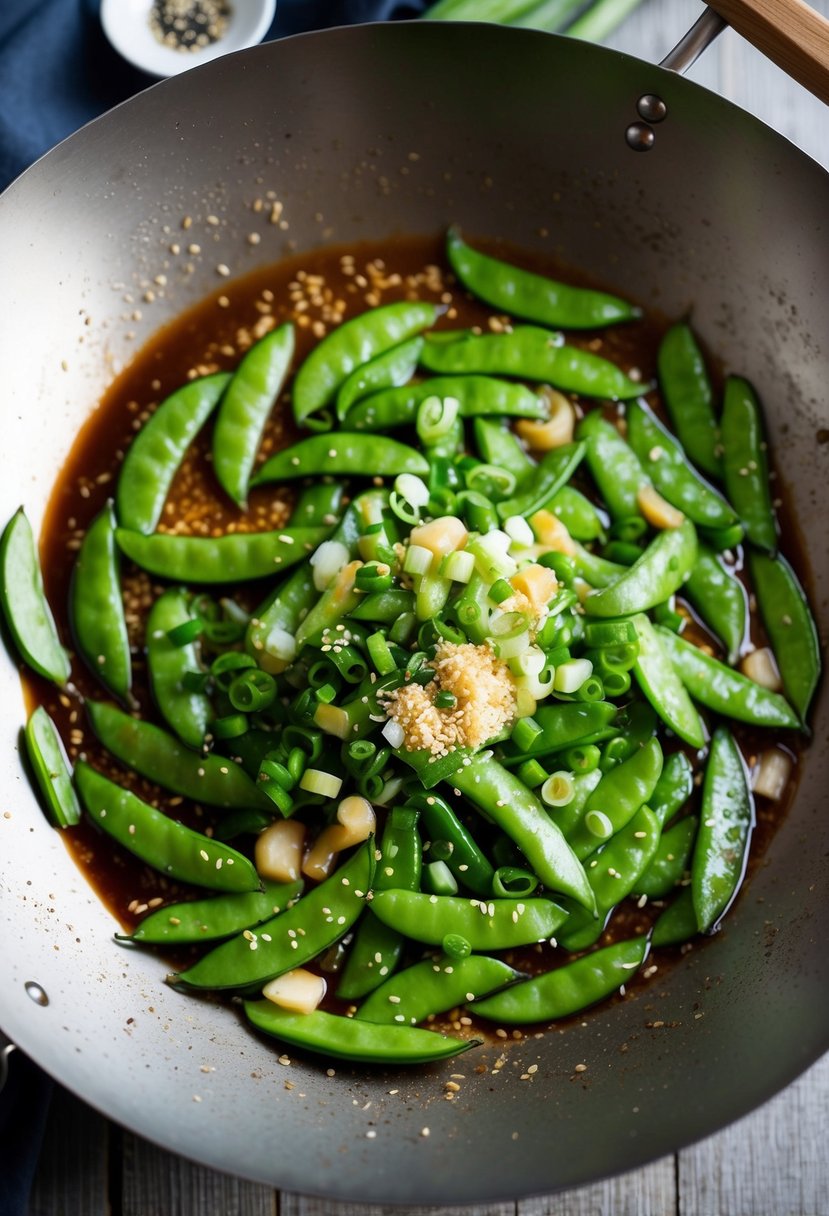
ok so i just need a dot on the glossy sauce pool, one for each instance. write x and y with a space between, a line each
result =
316 292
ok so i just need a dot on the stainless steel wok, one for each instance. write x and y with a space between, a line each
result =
361 133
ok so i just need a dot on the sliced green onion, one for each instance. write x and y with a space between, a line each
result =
571 675
592 689
327 561
492 558
404 509
445 699
223 633
186 632
510 632
532 774
616 683
418 560
561 565
317 781
412 489
519 530
439 879
373 576
598 824
380 655
501 590
609 633
525 732
559 789
280 797
252 691
195 681
436 418
226 667
326 693
491 479
231 726
458 566
529 662
584 759
276 772
513 882
478 511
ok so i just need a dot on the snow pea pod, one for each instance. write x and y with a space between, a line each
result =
158 449
96 607
468 864
477 396
186 712
720 599
52 770
615 468
211 919
343 453
384 607
435 986
622 791
348 347
498 445
613 872
391 369
163 843
518 812
724 690
673 789
726 820
659 572
553 472
567 989
565 725
244 410
160 757
318 505
578 514
670 860
292 938
495 925
745 464
672 473
662 686
528 353
349 1039
234 558
678 923
25 607
595 570
689 398
521 293
790 626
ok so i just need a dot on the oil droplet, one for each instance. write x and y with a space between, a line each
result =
37 993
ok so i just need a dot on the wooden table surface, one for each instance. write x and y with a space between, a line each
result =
772 1163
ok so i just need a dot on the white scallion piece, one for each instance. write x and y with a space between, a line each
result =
317 781
327 561
558 789
393 733
571 675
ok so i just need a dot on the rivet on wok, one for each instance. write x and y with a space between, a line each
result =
652 108
640 137
37 993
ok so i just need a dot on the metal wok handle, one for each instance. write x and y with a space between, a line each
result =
788 32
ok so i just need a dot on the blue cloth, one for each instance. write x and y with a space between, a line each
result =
57 70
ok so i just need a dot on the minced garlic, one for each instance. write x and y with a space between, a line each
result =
485 701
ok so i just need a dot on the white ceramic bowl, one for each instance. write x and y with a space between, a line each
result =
127 26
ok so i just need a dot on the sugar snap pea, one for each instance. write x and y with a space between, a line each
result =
351 1039
477 396
498 445
617 798
673 789
157 755
471 867
528 353
348 347
244 409
578 514
486 924
662 686
187 712
218 916
670 860
724 690
96 606
678 923
533 296
567 989
345 452
745 464
25 607
391 369
434 986
660 571
689 397
52 770
158 449
292 938
553 471
790 626
317 503
163 843
615 467
236 557
565 725
726 821
720 599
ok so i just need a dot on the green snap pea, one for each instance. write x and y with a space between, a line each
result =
96 607
185 711
25 607
720 599
662 686
534 297
236 557
52 770
568 989
724 690
318 505
671 472
487 925
578 514
614 466
157 755
790 626
660 571
292 938
670 861
477 396
244 409
384 607
163 843
673 789
622 791
613 872
689 397
726 820
531 354
348 347
350 1039
565 725
158 449
434 986
678 923
595 570
467 862
345 452
552 472
498 445
211 919
745 464
391 369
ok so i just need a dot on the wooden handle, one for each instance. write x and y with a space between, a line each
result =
788 32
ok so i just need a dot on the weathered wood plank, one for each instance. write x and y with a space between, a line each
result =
772 1163
647 1192
300 1205
157 1183
72 1173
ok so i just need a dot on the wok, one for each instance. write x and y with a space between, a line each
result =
364 132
